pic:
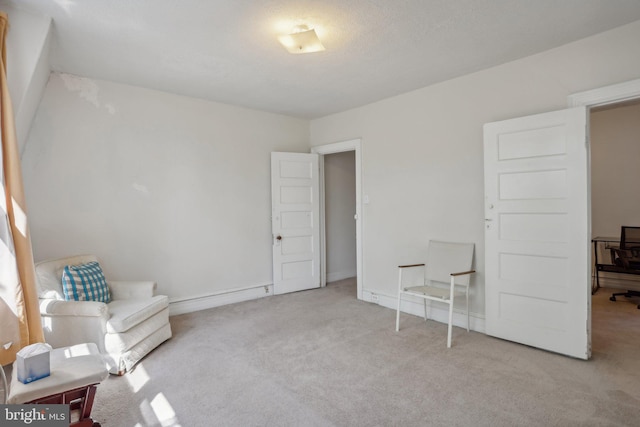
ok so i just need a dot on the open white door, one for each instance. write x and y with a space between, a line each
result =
537 231
295 219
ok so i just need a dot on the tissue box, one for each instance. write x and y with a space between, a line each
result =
32 362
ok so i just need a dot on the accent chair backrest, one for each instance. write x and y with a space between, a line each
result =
444 258
49 275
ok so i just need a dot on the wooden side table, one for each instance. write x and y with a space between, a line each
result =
76 372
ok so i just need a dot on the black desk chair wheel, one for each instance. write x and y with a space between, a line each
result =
628 294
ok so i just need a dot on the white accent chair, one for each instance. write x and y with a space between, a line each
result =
125 330
444 277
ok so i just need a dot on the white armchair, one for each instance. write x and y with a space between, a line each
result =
125 330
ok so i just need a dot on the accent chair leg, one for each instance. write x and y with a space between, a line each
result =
398 312
467 309
450 321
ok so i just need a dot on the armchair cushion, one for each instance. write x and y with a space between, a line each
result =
121 289
126 313
85 282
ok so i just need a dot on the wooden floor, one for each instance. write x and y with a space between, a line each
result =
615 325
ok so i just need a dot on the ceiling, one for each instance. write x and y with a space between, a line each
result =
227 50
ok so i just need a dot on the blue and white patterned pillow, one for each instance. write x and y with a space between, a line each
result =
85 282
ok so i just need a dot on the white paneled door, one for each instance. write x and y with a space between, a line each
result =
537 231
295 219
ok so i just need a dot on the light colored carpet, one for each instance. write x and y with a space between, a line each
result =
323 358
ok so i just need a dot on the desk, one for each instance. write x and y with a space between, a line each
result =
595 285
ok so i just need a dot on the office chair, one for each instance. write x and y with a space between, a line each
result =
627 257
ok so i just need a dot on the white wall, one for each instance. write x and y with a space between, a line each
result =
615 169
159 186
423 156
27 65
340 207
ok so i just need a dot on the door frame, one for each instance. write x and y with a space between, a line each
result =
340 147
612 94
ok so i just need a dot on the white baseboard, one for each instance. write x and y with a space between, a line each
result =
410 306
438 311
340 275
232 296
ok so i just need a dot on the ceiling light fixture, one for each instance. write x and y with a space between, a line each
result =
301 40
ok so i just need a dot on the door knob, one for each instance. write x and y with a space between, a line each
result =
279 237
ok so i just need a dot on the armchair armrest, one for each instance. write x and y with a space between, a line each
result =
411 265
53 307
401 269
131 289
67 323
462 273
454 277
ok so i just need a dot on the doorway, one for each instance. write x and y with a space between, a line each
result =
542 161
615 153
355 147
339 212
604 104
